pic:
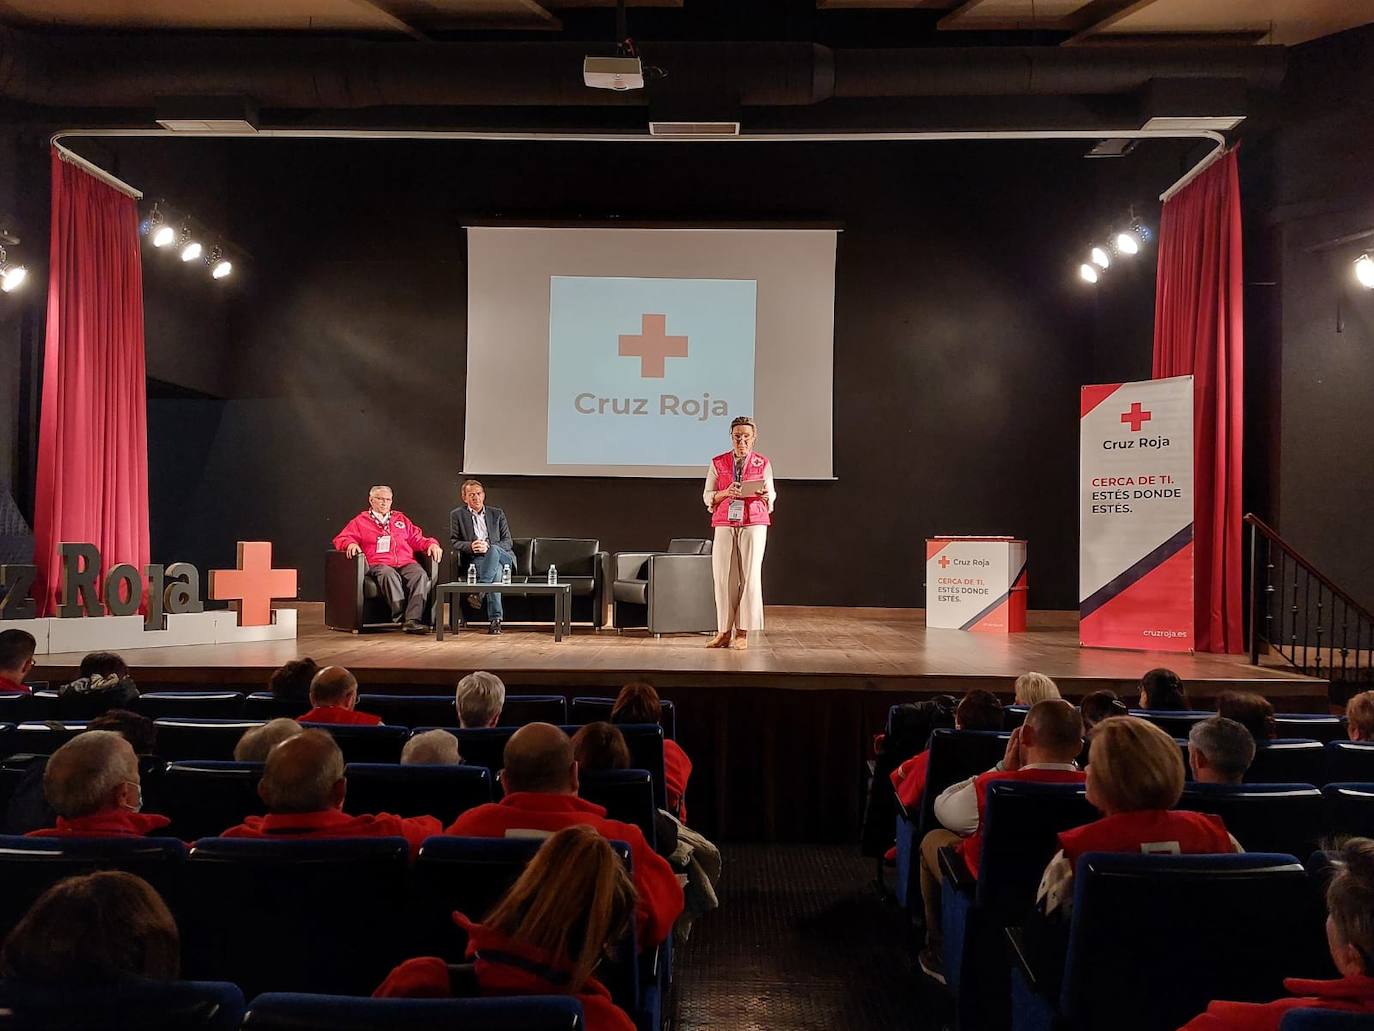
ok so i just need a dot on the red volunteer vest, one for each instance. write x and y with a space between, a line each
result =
338 714
971 848
755 508
909 779
108 823
1349 994
1167 832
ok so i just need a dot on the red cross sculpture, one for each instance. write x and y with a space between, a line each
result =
251 587
652 346
1135 417
944 561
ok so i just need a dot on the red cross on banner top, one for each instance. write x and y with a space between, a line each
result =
251 587
1135 417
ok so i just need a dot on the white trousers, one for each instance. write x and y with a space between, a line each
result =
737 566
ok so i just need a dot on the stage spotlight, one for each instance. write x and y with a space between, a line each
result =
222 268
1127 242
11 277
219 265
191 251
1364 271
1088 273
1100 257
163 236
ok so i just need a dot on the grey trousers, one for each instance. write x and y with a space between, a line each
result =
406 586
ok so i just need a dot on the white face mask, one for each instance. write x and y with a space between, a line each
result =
137 806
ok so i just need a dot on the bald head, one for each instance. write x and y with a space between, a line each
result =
93 771
334 685
539 757
303 774
1053 732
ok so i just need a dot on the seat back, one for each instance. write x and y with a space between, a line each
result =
276 1011
1164 920
534 708
626 795
1310 725
954 755
366 744
125 1004
264 705
574 556
30 866
200 739
1285 818
1021 826
592 710
411 710
205 797
1349 809
44 738
1013 716
1349 761
224 705
440 791
327 915
522 548
16 708
689 546
479 746
1325 1020
1287 761
1174 722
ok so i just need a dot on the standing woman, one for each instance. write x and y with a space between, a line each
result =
741 532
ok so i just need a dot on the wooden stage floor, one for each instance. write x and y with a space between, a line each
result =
888 650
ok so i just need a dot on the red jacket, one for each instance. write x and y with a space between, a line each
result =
677 770
910 779
971 848
406 539
107 823
503 967
338 714
1351 994
659 893
8 686
334 823
1168 832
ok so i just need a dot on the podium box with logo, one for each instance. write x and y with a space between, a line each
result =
976 584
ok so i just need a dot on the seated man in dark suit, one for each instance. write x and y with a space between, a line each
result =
480 536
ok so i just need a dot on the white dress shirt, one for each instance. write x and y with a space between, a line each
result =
957 806
479 524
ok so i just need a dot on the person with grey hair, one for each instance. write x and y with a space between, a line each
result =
303 787
1220 750
92 782
388 539
257 742
432 748
480 698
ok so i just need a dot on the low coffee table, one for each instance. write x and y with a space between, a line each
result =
450 593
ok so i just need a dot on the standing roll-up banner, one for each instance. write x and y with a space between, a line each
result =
1135 564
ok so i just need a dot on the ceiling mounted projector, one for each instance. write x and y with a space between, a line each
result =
617 73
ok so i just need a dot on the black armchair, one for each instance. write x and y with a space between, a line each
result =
351 599
668 592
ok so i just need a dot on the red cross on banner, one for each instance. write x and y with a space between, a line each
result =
944 561
251 587
1135 417
653 346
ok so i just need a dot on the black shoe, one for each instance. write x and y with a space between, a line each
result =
495 627
415 627
474 601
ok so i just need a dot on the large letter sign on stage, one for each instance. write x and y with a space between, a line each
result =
976 583
1135 572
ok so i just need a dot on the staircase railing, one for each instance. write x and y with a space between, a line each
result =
1299 614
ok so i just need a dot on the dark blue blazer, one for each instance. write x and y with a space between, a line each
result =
461 533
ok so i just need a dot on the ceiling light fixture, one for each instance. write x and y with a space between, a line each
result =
1100 258
1364 271
11 276
1088 273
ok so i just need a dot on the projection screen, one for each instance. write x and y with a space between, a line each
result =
626 352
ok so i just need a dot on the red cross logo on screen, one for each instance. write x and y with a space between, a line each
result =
251 587
1135 417
653 346
944 561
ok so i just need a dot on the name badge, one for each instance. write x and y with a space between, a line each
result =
735 513
384 544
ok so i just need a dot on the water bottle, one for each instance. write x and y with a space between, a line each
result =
505 573
472 574
553 575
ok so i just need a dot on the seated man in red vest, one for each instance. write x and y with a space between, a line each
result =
16 660
540 781
92 782
333 693
1043 749
303 787
977 710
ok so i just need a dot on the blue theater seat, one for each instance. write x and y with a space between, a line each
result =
1283 818
1180 931
1349 761
593 710
534 708
1288 761
205 797
43 738
1326 1020
263 705
126 1004
626 795
179 739
16 708
217 705
1174 722
1349 809
411 710
366 744
291 1012
441 791
325 915
1310 725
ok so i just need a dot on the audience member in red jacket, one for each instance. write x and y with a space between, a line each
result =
92 782
540 781
388 540
1043 750
16 660
638 703
303 787
977 710
1349 936
546 936
333 693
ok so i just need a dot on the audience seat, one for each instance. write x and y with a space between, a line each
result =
221 705
1180 931
129 1004
8 742
534 708
16 708
1310 725
366 744
29 866
1283 818
1013 716
593 710
1174 722
264 705
317 915
44 738
1326 1020
1349 761
440 791
1288 761
179 739
293 1012
626 795
205 797
1349 809
411 710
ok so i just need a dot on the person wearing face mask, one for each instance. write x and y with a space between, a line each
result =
92 782
739 493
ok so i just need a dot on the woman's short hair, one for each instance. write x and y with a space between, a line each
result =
1350 897
138 730
1252 711
103 664
1163 689
1359 713
979 710
480 697
432 748
1035 687
258 741
573 900
292 680
600 746
1100 705
99 926
1133 765
637 703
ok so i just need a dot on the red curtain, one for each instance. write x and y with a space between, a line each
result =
1199 331
93 432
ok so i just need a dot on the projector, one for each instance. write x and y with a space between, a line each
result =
618 73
